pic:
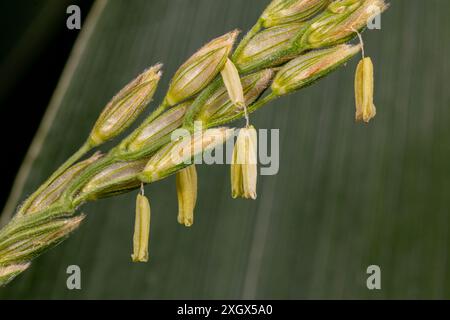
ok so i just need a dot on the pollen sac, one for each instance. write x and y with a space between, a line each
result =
53 192
309 67
269 47
125 107
338 23
219 104
200 69
244 170
181 152
141 230
187 195
365 109
286 11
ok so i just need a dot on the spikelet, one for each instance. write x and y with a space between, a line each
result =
365 109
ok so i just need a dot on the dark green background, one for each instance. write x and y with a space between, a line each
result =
347 195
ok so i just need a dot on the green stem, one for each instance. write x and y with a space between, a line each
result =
85 148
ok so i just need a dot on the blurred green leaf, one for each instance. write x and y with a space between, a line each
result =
347 195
